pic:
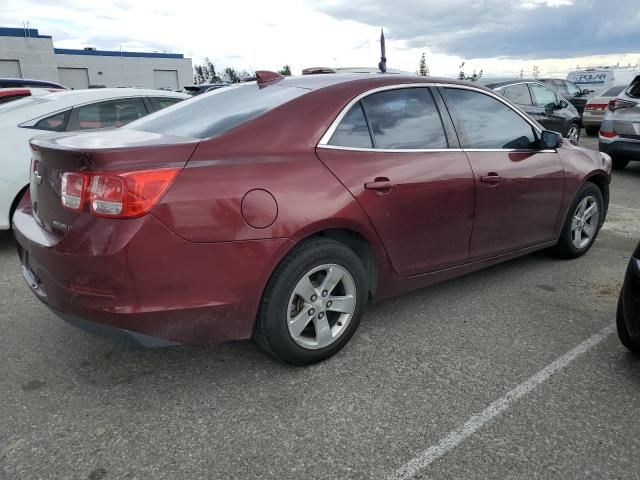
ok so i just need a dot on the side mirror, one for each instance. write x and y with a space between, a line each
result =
550 107
550 140
563 104
586 91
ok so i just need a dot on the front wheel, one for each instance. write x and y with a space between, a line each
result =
583 222
313 303
573 132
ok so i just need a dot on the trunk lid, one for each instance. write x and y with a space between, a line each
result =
99 151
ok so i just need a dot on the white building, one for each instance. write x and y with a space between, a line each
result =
24 53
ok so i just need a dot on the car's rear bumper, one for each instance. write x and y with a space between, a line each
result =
137 279
620 148
630 297
591 120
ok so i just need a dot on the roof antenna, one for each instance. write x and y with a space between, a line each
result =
382 64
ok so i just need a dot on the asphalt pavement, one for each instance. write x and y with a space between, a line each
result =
511 372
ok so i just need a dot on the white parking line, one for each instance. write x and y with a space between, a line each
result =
455 437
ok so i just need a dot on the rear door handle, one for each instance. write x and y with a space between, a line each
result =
380 184
491 178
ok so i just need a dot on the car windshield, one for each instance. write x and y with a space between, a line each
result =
612 91
217 111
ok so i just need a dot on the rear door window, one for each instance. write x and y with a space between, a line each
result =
113 113
518 94
55 123
352 131
163 102
406 118
483 122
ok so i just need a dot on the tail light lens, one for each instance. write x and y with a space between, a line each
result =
617 103
116 195
596 106
606 134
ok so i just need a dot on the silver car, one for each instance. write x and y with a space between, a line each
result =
620 130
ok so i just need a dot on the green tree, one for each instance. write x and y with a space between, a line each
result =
423 69
230 75
474 77
286 70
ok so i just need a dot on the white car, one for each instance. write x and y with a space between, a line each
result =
72 110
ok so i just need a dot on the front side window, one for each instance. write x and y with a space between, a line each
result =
543 97
560 86
113 113
406 118
353 130
484 122
572 89
54 123
518 94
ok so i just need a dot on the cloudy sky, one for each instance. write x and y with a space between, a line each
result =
500 36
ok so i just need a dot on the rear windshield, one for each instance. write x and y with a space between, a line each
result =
613 91
216 112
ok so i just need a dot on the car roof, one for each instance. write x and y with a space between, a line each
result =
324 80
504 82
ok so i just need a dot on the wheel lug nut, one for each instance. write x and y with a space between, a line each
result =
311 311
314 298
329 303
325 293
339 324
321 315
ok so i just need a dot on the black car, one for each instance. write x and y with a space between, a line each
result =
202 88
542 103
628 315
28 83
569 90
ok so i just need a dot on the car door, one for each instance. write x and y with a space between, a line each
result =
519 187
545 108
575 96
403 165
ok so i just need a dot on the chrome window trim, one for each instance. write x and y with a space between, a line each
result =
324 141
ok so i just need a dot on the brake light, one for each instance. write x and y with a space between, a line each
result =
72 190
596 106
607 134
116 195
617 103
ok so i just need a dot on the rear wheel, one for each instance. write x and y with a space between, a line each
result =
313 303
573 132
592 131
623 333
620 163
583 222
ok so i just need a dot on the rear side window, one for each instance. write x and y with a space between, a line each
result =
54 123
485 123
406 118
215 112
353 130
163 102
518 94
634 88
113 113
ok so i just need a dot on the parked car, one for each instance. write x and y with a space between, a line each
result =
620 130
28 83
10 94
194 90
542 103
628 314
577 96
596 106
225 217
63 111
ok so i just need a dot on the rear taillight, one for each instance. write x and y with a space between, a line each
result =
606 134
617 103
116 195
596 106
72 190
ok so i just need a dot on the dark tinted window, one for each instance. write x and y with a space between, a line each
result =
406 118
353 130
518 94
542 95
215 112
572 89
634 88
54 123
113 113
164 102
484 122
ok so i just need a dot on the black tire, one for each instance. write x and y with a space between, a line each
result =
623 333
570 127
619 163
272 332
565 247
592 131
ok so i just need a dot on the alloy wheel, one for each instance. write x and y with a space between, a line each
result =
321 306
584 223
573 133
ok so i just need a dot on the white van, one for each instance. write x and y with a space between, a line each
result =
599 78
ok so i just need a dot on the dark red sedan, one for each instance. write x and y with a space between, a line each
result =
278 209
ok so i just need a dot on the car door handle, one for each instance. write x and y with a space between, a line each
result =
380 183
491 178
